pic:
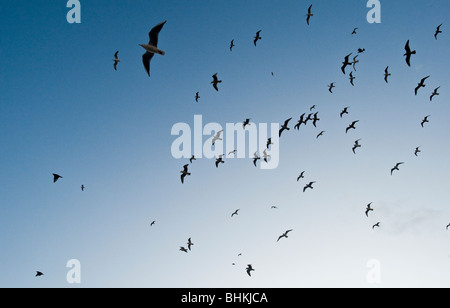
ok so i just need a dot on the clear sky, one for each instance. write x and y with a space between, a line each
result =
64 109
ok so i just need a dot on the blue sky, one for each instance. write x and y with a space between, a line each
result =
65 110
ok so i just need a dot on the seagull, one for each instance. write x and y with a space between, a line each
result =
315 119
151 48
344 111
257 37
265 155
320 134
197 96
354 31
421 84
301 176
361 50
189 243
351 126
255 158
310 185
219 160
312 108
284 126
152 223
331 86
217 137
396 167
438 30
249 269
56 177
354 62
425 120
274 207
356 145
192 158
309 117
184 173
38 273
309 15
269 142
183 249
408 53
82 187
235 213
386 74
116 60
232 152
376 225
351 78
300 122
232 45
368 209
417 151
285 234
215 81
345 63
246 122
435 92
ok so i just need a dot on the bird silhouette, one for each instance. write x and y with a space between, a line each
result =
309 185
255 158
300 122
269 142
192 159
331 86
301 176
396 167
219 161
354 62
346 63
376 225
344 111
189 243
421 84
320 134
249 269
447 226
417 151
425 120
265 155
284 126
435 92
232 45
215 82
152 223
116 60
309 14
361 50
285 234
274 207
56 177
245 123
152 46
408 53
217 137
315 119
352 78
184 173
368 209
197 96
438 30
257 37
183 249
235 212
351 126
386 74
356 145
82 187
354 31
38 273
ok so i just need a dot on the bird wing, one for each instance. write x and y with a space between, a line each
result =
116 55
146 58
153 34
115 66
407 49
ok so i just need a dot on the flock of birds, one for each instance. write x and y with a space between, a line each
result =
151 48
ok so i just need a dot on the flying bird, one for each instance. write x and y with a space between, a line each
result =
438 30
284 126
309 185
183 249
189 243
344 111
352 78
232 45
315 119
152 223
219 161
82 187
249 269
368 209
265 155
257 37
152 46
285 234
232 152
245 123
361 50
197 96
447 226
235 212
435 92
38 273
274 207
320 134
408 53
255 158
354 62
215 81
356 145
396 167
184 173
425 120
301 176
345 63
421 84
386 74
351 126
376 225
354 31
269 142
312 107
309 15
331 86
56 177
300 122
116 60
217 137
192 158
417 151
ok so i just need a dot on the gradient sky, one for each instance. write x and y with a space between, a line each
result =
65 110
